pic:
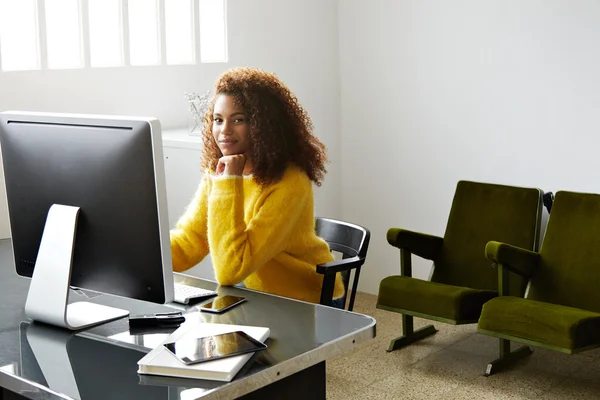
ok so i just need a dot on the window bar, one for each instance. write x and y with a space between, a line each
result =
162 33
125 31
84 17
225 31
196 29
0 55
42 45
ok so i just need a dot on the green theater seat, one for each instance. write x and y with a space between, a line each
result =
462 280
561 310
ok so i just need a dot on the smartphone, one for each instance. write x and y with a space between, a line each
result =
198 350
221 304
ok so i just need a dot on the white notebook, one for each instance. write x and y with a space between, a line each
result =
161 361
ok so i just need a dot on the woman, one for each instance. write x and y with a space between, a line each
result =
254 209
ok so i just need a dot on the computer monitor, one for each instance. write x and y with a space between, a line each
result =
87 207
86 366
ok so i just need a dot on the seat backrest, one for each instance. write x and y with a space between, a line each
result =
569 270
482 212
344 237
348 239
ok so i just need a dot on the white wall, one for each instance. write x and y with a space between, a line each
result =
409 95
295 39
436 91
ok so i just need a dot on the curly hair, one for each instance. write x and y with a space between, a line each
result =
280 129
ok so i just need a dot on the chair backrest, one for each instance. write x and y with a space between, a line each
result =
348 239
482 212
569 270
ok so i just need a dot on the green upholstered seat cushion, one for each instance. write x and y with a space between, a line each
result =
454 303
550 324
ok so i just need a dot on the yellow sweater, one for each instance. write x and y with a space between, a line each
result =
264 237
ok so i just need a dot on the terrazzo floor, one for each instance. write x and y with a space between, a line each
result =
450 365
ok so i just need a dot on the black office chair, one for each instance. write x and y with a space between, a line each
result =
353 242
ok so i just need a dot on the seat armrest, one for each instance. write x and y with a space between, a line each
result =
345 264
516 259
420 244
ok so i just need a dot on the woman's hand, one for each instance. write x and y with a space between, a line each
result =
231 165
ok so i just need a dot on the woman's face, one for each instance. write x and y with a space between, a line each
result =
230 127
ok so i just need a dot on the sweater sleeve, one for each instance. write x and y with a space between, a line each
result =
189 244
238 249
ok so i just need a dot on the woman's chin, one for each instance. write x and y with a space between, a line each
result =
229 152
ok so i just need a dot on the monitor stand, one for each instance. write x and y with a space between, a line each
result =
47 300
49 348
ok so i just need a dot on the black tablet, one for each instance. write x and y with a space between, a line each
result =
197 350
220 304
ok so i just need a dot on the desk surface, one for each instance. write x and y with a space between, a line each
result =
41 362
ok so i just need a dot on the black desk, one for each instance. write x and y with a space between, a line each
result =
41 362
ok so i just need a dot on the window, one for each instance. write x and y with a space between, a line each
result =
179 31
213 41
58 34
106 41
19 47
143 32
63 33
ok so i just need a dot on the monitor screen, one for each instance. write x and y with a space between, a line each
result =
110 167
